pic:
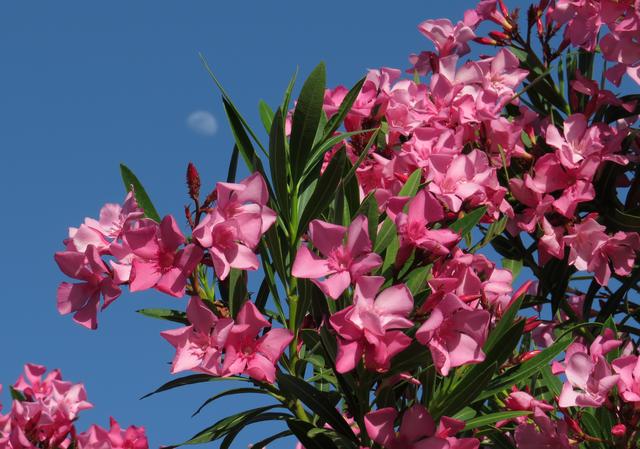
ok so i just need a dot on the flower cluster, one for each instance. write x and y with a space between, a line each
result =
43 413
381 320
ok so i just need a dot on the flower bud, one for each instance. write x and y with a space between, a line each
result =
485 41
193 181
619 430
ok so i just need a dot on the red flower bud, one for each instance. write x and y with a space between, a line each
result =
499 35
531 323
485 41
193 181
528 355
619 430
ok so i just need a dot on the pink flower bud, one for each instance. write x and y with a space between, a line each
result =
619 430
193 181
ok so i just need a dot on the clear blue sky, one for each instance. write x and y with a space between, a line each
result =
87 85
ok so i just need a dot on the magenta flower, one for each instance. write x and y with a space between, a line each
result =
344 262
589 375
592 249
454 333
250 196
580 142
230 242
423 210
417 430
115 438
543 434
159 263
200 345
628 368
250 355
447 38
370 326
83 298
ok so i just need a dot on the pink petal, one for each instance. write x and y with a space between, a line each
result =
143 242
326 236
417 423
274 342
144 275
334 285
307 265
380 425
170 234
349 355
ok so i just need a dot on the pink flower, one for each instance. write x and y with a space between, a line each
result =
423 210
502 75
454 333
200 345
417 430
46 415
521 400
589 375
628 368
116 438
230 242
344 263
369 326
247 354
592 249
544 434
114 219
250 196
447 38
83 298
158 262
579 143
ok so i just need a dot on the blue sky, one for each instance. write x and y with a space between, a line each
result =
87 85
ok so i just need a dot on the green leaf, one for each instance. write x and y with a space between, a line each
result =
16 395
325 190
231 435
527 369
417 279
263 294
414 357
278 162
286 100
262 443
492 418
464 392
465 414
131 182
306 118
191 379
226 425
302 429
266 115
166 314
237 290
317 401
553 384
231 392
593 428
505 323
334 123
465 225
233 165
243 142
513 265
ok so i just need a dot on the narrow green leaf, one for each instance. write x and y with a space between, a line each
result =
16 395
464 392
233 165
231 392
266 115
237 282
527 369
191 379
226 425
317 401
166 314
513 265
306 118
243 142
131 182
278 163
465 225
324 192
493 418
301 430
263 443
